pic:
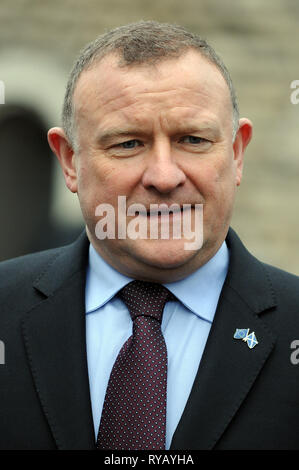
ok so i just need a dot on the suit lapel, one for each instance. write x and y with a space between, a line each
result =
228 368
54 335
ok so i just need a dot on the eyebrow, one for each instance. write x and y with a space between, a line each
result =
106 137
193 128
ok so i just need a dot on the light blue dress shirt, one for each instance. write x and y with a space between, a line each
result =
185 325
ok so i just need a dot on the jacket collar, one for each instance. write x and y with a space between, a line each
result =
248 277
66 262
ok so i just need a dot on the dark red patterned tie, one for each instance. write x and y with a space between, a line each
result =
134 410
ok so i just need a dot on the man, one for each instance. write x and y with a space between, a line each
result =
150 114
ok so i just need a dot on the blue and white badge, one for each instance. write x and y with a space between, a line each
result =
249 338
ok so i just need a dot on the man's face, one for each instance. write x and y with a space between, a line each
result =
157 134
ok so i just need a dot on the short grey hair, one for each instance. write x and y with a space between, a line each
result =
144 42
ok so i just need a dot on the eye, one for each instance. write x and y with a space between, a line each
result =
130 144
192 139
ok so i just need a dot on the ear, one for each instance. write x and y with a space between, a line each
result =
242 139
63 150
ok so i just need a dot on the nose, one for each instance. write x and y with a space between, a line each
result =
162 172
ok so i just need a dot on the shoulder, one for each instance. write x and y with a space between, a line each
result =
26 267
26 279
261 284
17 278
34 265
241 258
285 284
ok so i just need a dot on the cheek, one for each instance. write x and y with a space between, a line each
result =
102 181
215 181
222 194
209 179
222 175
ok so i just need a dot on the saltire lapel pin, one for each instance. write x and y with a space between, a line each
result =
249 338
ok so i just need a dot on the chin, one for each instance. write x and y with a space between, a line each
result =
163 254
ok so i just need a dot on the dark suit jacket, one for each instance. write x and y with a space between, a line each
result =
241 399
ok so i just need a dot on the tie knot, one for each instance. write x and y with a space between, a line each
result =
145 298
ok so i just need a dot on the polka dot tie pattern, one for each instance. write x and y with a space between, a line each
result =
134 410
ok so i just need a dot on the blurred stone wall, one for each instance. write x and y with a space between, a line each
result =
258 41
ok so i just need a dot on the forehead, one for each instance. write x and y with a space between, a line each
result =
184 83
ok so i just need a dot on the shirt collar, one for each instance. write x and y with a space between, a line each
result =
199 291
